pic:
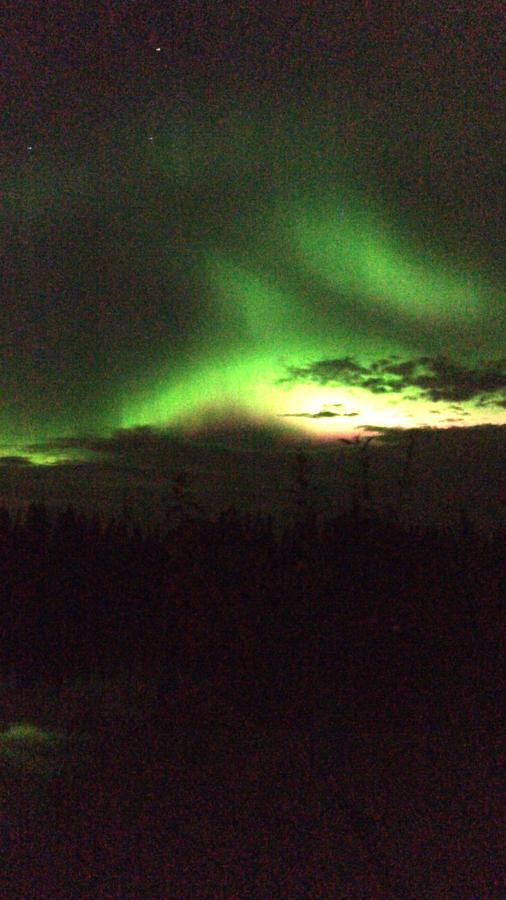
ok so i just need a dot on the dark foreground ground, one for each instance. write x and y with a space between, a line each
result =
375 773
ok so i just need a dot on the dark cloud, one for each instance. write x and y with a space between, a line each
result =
485 403
436 378
159 447
322 414
15 461
326 371
374 385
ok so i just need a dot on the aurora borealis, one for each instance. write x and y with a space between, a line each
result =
311 253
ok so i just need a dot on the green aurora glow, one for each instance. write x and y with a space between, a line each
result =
283 264
306 278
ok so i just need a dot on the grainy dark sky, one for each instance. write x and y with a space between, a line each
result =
248 225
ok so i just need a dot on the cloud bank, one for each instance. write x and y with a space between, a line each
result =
435 378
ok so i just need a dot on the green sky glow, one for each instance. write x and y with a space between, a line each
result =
309 279
356 254
259 329
213 288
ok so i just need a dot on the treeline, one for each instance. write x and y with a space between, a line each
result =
235 593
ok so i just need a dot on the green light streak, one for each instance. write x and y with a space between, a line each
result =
354 252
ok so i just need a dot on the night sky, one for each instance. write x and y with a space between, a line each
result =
231 230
